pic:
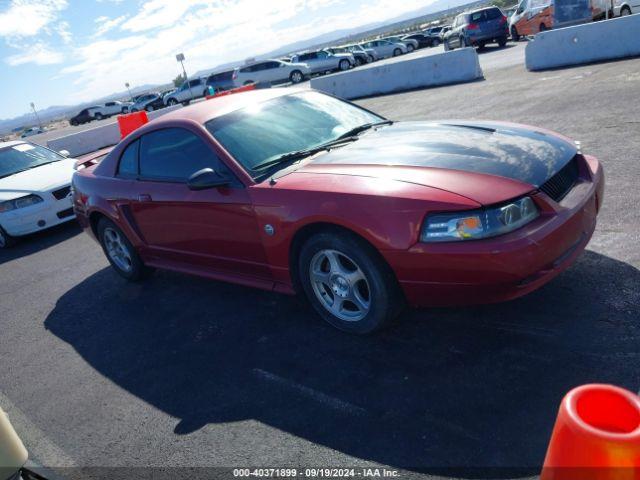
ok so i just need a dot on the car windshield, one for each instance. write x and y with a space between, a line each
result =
24 156
291 123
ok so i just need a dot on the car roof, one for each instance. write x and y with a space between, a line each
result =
206 110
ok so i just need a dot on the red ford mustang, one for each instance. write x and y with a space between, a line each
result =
299 191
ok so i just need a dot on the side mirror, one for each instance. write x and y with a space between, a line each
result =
65 153
205 179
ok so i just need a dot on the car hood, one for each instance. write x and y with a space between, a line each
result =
484 161
40 179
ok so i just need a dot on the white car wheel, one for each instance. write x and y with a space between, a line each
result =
344 65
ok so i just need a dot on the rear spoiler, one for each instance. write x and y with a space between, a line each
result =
92 158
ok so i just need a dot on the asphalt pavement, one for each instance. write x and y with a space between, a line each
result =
186 372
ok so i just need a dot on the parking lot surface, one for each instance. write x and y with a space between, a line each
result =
180 371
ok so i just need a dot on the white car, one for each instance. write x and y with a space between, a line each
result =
111 108
625 7
271 71
410 43
385 49
322 61
35 190
194 88
29 132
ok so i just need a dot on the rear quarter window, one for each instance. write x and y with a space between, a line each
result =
128 165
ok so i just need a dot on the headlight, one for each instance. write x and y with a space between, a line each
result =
475 224
21 202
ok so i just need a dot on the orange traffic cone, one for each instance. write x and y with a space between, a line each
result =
131 121
596 436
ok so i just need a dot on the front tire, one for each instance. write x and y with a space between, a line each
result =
172 101
625 11
502 42
447 46
397 52
348 283
370 59
120 252
410 48
6 240
99 116
463 42
344 65
359 62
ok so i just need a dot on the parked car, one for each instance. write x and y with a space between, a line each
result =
359 49
385 49
111 108
187 92
270 72
358 212
149 102
443 32
434 34
423 40
477 28
410 43
34 190
321 61
360 57
29 132
625 7
221 81
533 16
84 116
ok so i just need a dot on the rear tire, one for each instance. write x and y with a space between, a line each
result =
99 116
435 42
502 42
463 42
149 108
172 101
359 62
120 252
74 123
397 52
6 240
543 27
447 47
296 77
625 11
348 283
370 59
410 48
344 65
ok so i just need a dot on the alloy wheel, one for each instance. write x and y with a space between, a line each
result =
340 285
117 250
296 77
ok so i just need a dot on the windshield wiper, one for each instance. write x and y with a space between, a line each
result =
362 128
299 154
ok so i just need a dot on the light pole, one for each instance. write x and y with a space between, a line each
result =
180 58
33 107
127 85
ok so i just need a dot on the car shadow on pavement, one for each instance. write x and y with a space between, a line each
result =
471 392
35 242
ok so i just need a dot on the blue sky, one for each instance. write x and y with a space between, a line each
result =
61 52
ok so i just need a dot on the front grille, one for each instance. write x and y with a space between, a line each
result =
62 193
65 213
562 182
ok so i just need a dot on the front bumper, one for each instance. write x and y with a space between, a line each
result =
37 217
507 266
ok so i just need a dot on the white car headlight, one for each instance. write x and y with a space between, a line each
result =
476 224
20 202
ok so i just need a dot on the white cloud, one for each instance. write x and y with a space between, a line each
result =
105 24
209 33
26 18
39 53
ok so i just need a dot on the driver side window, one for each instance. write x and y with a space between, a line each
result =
174 154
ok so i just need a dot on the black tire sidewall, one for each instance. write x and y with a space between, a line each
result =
385 300
138 269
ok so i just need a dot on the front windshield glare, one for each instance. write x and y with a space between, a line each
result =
285 124
24 156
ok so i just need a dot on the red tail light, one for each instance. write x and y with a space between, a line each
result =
503 19
473 26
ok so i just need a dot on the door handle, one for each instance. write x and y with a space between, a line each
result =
144 197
